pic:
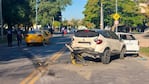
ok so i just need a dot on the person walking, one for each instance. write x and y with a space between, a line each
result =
19 33
9 37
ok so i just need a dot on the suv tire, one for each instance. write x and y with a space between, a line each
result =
73 59
122 54
106 57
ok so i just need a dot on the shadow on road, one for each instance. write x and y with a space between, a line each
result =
34 52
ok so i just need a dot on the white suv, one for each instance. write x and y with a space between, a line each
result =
97 44
132 44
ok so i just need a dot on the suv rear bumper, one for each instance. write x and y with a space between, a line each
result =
84 52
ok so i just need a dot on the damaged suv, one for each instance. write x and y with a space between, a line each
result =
96 44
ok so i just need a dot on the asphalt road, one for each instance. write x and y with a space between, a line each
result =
16 63
128 71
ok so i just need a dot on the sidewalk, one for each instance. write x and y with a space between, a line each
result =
143 39
14 43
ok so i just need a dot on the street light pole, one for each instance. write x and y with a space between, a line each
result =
116 12
116 6
1 19
101 16
36 12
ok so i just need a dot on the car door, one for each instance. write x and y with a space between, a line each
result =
132 44
116 44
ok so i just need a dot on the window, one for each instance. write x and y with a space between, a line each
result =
86 33
127 37
113 35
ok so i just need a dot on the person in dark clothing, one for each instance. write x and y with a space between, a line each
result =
51 30
19 33
9 37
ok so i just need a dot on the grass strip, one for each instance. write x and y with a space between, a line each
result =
144 51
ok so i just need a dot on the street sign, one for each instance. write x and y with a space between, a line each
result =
116 22
116 16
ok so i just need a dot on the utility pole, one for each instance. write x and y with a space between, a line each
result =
1 20
36 19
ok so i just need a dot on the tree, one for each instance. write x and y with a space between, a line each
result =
49 9
127 9
23 11
16 12
92 12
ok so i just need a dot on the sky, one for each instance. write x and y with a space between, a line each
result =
75 10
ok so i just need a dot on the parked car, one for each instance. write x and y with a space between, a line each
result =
96 44
37 37
132 44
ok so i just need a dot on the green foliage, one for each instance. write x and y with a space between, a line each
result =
23 11
57 24
144 51
129 13
16 11
48 9
92 12
127 9
90 25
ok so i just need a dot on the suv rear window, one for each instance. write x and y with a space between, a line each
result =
86 33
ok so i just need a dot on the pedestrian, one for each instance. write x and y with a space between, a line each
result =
9 37
51 30
19 33
62 30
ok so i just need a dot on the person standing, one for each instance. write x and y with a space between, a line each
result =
19 33
9 37
51 30
62 31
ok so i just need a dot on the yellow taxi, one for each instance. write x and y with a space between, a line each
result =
38 37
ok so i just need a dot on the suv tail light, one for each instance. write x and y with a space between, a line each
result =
40 35
98 41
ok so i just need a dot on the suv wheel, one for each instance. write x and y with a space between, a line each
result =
122 54
106 57
77 59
